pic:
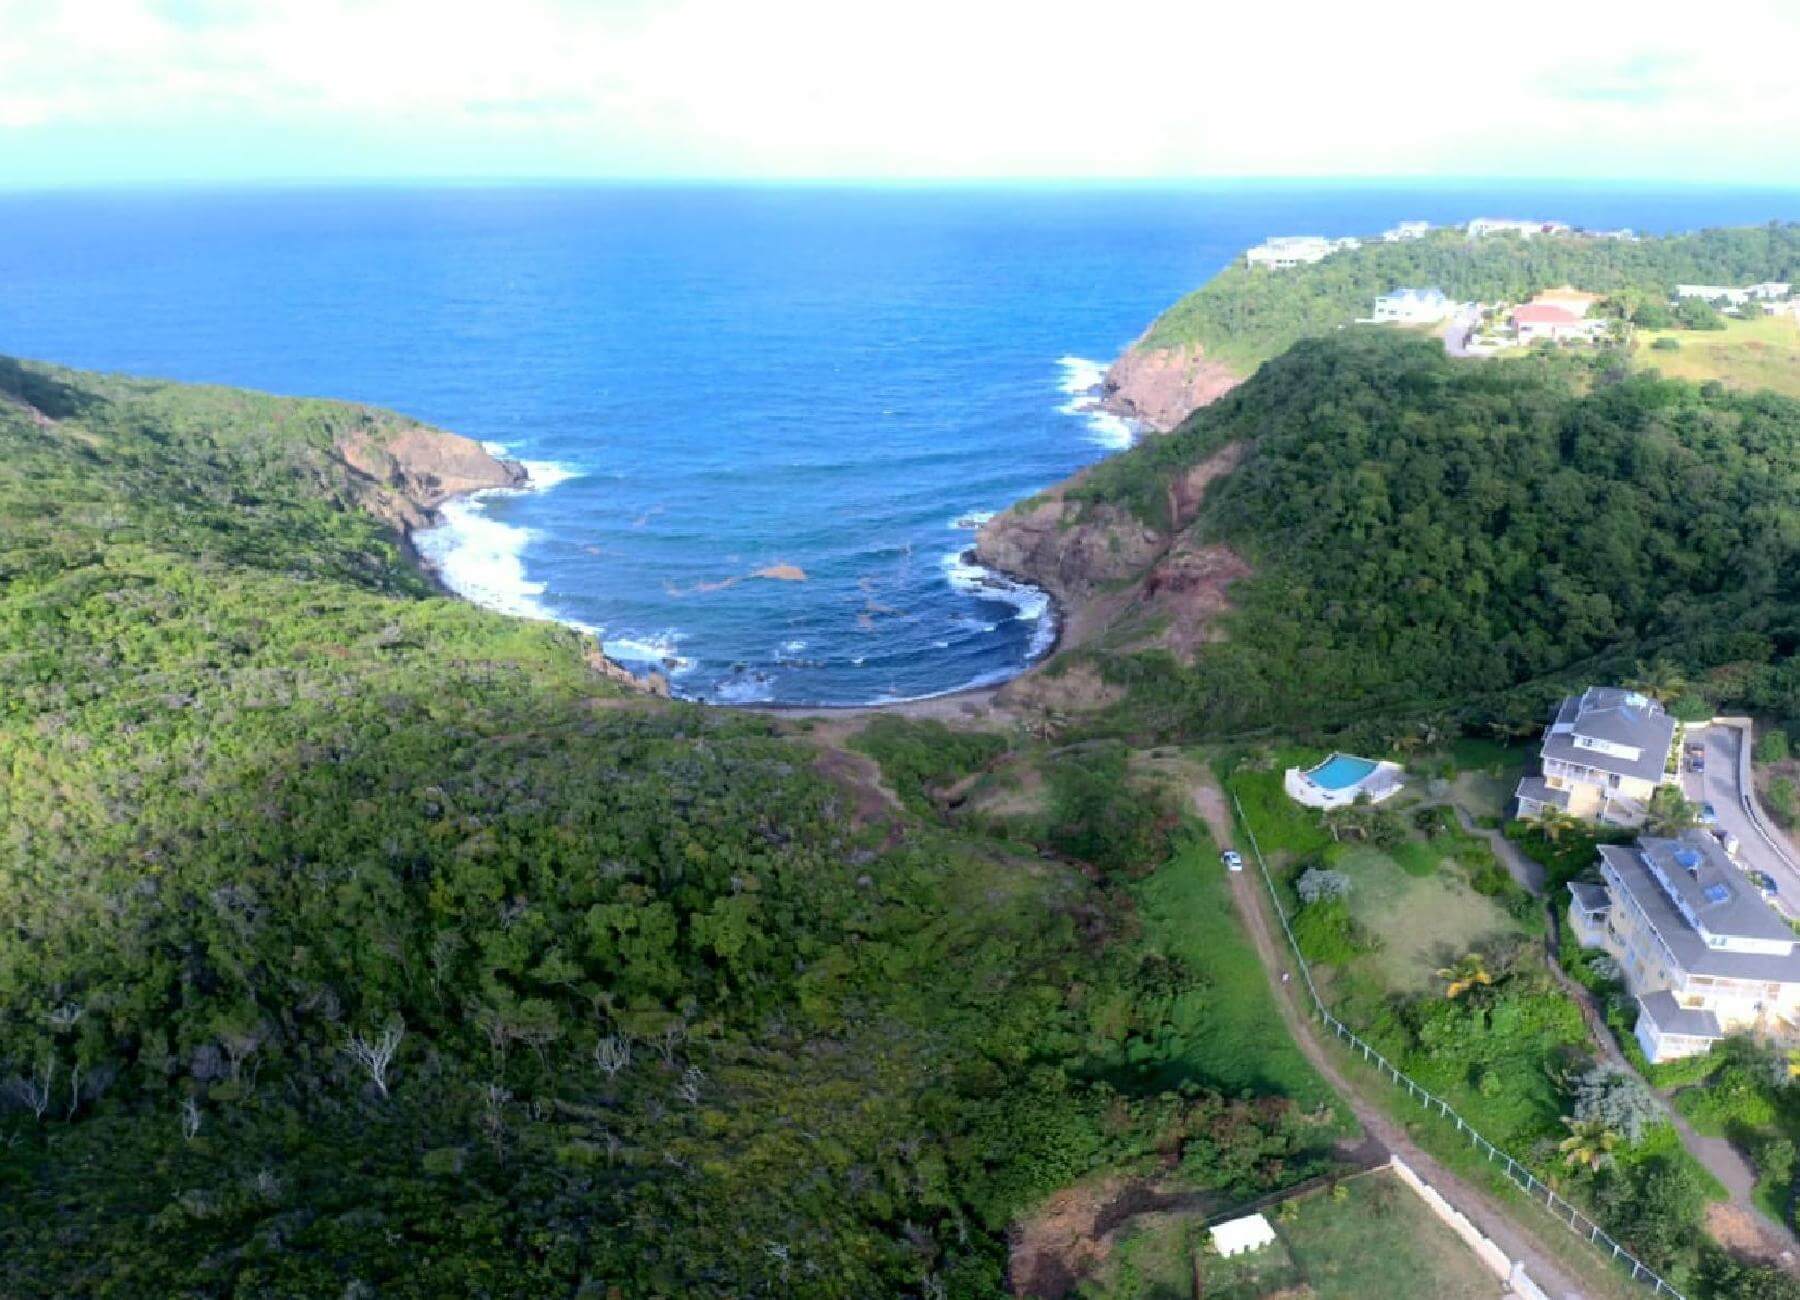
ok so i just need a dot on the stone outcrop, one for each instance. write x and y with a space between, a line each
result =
406 471
1161 387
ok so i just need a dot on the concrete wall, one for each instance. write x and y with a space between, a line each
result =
1498 1261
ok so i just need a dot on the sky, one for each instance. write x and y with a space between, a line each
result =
109 92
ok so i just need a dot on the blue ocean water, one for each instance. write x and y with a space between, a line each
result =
712 382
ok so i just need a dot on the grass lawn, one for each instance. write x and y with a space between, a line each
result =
1762 353
1424 920
1375 1237
1230 1033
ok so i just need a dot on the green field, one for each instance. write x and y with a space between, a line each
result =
1372 1237
1228 1032
1424 922
1760 353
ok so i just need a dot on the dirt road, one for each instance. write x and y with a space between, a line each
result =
1254 907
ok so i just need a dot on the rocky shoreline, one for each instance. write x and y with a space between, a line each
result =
1161 387
406 477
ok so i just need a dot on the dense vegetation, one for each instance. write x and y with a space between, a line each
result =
1432 537
357 941
1245 316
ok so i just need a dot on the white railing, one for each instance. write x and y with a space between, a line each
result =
1569 1215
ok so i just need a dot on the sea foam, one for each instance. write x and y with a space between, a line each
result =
1081 380
1032 605
483 560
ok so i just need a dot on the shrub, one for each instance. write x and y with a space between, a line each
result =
1100 815
1772 746
1327 933
1667 343
1607 1095
1783 800
1320 884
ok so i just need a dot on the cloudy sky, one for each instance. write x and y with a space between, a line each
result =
128 91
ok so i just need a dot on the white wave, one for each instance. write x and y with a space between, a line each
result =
970 520
658 649
1082 380
793 647
493 448
1033 605
542 475
859 660
482 560
745 688
1081 375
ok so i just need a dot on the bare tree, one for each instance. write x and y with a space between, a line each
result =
613 1053
673 1035
240 1045
493 1117
689 1087
376 1054
190 1117
33 1090
74 1089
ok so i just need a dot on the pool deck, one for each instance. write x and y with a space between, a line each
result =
1384 780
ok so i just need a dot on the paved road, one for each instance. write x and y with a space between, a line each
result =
1253 907
1719 786
1456 334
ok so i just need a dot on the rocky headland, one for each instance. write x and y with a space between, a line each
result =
1159 387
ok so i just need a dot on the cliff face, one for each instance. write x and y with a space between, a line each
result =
1162 386
1112 573
404 474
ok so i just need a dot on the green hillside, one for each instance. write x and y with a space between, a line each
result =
1243 317
1434 537
672 1014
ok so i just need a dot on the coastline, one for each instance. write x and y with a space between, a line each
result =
1087 397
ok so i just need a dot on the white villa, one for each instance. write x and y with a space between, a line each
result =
1698 946
1286 251
1767 291
1482 226
1413 307
1406 230
1603 756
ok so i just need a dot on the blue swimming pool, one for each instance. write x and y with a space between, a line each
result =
1341 771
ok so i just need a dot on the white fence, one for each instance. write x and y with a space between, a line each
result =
1569 1215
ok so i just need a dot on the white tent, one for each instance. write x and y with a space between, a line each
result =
1236 1236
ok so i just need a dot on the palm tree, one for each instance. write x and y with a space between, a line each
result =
1661 680
1671 812
1554 823
1590 1144
1469 972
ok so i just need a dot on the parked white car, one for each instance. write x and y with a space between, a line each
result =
1233 860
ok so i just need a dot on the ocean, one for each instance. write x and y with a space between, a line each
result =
762 422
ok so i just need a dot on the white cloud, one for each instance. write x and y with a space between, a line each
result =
930 88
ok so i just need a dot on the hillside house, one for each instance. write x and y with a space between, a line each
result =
1569 299
1406 230
1537 322
1287 251
1413 307
1602 757
1714 293
1483 226
1698 946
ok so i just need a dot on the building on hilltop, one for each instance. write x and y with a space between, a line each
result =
1603 756
1701 950
1537 322
1413 307
1713 293
1406 230
1482 226
1286 251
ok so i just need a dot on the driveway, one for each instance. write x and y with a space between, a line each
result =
1719 786
1456 336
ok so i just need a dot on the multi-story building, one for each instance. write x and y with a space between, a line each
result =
1285 252
1602 758
1698 946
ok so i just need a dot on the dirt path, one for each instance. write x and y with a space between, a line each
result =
1254 907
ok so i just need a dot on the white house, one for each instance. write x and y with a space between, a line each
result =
1701 950
1603 757
1286 251
1481 226
1413 307
1537 321
1768 290
1713 293
1406 230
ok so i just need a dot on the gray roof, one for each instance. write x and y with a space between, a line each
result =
1590 898
1716 893
1536 789
1621 717
1670 1017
